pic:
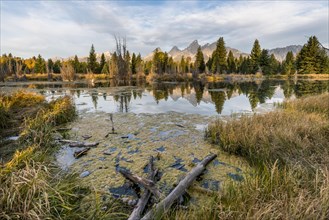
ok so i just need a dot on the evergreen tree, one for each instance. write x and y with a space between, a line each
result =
312 58
231 64
289 67
219 62
92 61
199 63
139 64
105 69
57 66
133 64
50 65
264 62
40 65
182 65
102 63
255 56
76 64
275 66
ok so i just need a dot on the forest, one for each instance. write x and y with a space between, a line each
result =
312 59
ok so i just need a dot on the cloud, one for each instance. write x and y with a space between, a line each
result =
61 28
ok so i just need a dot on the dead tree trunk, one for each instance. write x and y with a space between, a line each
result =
142 202
167 202
146 183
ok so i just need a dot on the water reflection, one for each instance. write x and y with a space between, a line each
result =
190 97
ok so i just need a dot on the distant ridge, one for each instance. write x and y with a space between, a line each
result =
207 49
191 51
281 52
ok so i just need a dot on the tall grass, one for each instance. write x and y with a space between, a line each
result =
30 188
4 117
289 151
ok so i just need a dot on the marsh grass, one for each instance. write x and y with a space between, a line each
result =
4 117
32 188
289 151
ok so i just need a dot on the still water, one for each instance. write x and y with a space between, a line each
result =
220 98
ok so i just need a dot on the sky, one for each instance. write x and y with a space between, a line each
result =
65 28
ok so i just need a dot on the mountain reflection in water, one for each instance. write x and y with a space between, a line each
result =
222 98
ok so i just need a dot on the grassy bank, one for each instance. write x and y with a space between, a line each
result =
289 151
30 186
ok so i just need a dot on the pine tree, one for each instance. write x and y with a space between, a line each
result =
57 66
219 61
199 63
102 63
312 58
40 65
255 56
275 66
76 64
133 64
264 62
139 65
92 61
289 67
50 65
231 64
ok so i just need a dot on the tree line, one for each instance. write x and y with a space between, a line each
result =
312 59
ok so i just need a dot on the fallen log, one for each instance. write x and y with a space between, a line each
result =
147 184
179 190
80 153
142 202
79 143
84 144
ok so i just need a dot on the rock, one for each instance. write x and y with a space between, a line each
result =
132 202
85 174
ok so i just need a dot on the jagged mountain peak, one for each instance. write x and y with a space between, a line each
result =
193 47
173 50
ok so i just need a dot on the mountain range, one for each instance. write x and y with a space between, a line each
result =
207 49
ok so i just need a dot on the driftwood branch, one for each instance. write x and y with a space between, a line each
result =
142 202
147 184
79 144
167 202
79 153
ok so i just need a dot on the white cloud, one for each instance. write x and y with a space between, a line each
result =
67 28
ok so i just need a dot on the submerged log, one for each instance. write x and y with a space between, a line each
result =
148 184
79 144
142 202
179 190
80 153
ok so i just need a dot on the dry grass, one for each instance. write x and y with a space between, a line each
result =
289 150
30 188
67 72
4 117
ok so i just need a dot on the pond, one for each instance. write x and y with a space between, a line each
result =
220 98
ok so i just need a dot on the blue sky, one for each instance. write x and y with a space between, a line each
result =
66 28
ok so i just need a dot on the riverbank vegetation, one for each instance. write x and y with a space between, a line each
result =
289 150
31 187
122 65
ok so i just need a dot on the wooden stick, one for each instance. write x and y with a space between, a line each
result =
148 184
80 153
142 202
179 190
